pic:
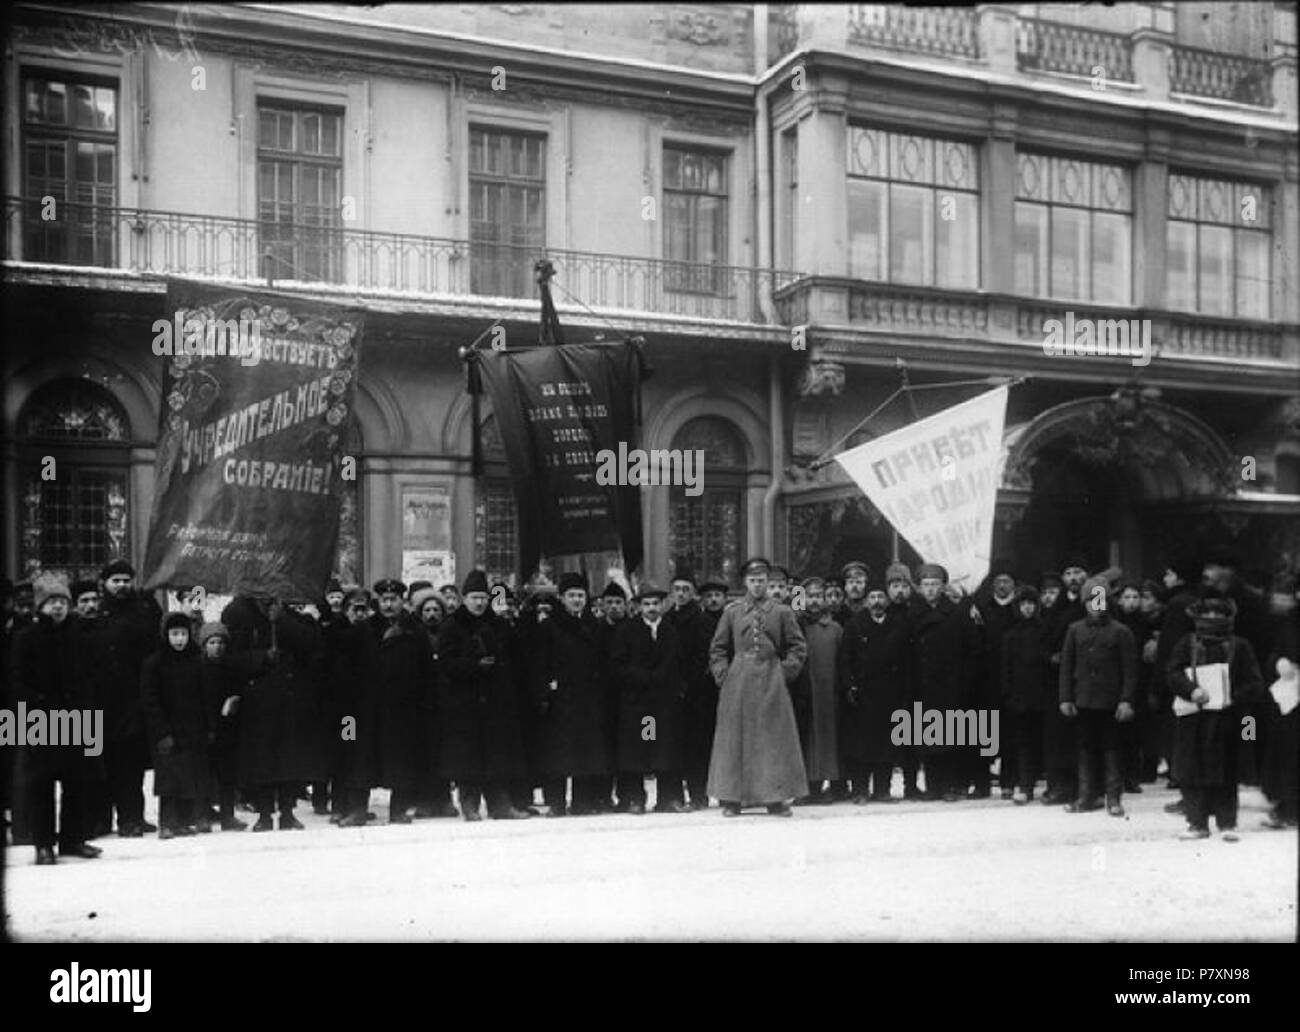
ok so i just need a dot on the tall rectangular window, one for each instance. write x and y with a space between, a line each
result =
696 210
1074 230
69 156
1219 241
507 210
300 191
913 209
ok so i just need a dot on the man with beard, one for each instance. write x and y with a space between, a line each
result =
816 695
615 612
569 694
85 600
482 749
645 661
1209 728
127 635
700 707
50 672
527 642
855 574
945 644
997 611
348 701
398 667
835 599
899 589
1098 683
756 652
873 679
435 791
1060 755
277 650
323 792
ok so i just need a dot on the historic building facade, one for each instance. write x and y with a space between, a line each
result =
783 200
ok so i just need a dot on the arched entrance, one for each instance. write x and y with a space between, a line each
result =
1114 478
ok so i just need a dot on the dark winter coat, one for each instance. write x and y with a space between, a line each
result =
280 712
174 706
1281 783
1059 752
126 632
481 738
996 620
392 727
572 723
816 695
51 670
875 665
756 652
1205 744
946 648
1099 665
648 673
1026 681
348 692
221 681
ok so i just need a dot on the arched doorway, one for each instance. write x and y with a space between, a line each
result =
1110 478
74 442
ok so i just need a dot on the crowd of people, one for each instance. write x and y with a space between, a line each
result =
565 702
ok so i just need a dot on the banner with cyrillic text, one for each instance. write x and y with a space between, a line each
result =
258 393
936 481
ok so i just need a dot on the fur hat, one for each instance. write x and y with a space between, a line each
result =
571 582
1026 593
475 581
46 586
1001 568
213 630
117 566
422 595
84 587
898 571
614 590
177 618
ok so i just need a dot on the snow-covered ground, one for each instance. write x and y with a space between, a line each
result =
971 870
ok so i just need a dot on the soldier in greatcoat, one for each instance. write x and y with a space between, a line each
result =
756 652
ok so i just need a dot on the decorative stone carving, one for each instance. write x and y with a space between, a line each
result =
702 28
821 377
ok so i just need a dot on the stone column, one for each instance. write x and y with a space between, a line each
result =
1150 218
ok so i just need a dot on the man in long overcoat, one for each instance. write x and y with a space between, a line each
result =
756 652
126 633
945 642
569 697
694 630
398 668
816 695
482 748
645 663
278 651
874 666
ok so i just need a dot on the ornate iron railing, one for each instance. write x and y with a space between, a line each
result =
1049 46
177 243
951 31
1209 73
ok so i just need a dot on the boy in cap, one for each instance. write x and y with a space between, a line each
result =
1098 683
221 691
757 650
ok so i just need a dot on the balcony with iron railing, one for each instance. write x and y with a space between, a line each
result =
976 318
1134 49
187 244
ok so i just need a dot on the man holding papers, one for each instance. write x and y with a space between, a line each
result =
1212 673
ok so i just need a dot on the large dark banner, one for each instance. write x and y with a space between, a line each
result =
556 408
257 406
